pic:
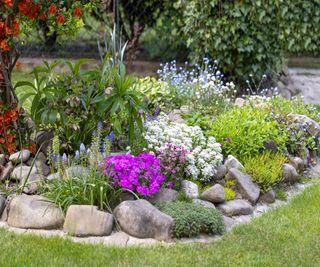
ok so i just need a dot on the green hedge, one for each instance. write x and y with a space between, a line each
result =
249 36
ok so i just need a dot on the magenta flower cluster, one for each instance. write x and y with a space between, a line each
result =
173 162
141 174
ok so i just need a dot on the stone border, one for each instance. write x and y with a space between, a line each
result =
121 239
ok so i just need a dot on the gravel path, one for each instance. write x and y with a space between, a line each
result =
308 81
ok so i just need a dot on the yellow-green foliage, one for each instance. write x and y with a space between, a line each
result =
243 132
265 169
158 93
230 193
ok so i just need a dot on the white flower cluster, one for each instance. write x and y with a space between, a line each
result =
205 154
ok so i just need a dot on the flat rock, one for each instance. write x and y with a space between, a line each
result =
165 195
248 189
22 155
289 174
190 189
6 171
233 162
21 172
214 194
204 203
145 242
87 220
141 219
34 212
118 239
236 207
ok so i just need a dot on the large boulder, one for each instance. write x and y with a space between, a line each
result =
289 173
303 121
190 189
34 212
31 185
141 219
220 173
214 194
236 207
86 220
22 155
248 189
204 203
165 195
233 162
297 163
21 173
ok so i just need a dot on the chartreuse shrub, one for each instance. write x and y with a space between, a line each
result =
265 169
244 132
248 37
190 219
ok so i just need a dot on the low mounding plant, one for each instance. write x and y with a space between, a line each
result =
244 132
190 219
173 161
205 153
265 169
141 174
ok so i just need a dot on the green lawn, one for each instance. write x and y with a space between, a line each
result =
287 236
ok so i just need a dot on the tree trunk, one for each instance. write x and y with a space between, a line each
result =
7 94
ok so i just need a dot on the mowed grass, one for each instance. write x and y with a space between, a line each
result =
286 236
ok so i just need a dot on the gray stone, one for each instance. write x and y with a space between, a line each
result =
34 212
175 116
269 196
44 138
3 159
303 121
6 171
42 167
204 203
248 189
220 173
232 162
140 219
87 220
21 172
289 174
31 185
165 195
19 156
53 176
271 146
77 171
42 157
236 207
229 223
297 163
190 189
214 194
2 204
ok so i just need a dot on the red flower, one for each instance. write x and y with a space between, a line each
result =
77 12
60 19
52 10
4 46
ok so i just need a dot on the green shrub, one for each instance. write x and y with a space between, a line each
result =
248 37
265 169
244 132
230 193
190 219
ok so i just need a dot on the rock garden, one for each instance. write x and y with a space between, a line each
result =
100 156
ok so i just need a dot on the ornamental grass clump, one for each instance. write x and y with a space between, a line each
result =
191 219
173 160
205 153
141 174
